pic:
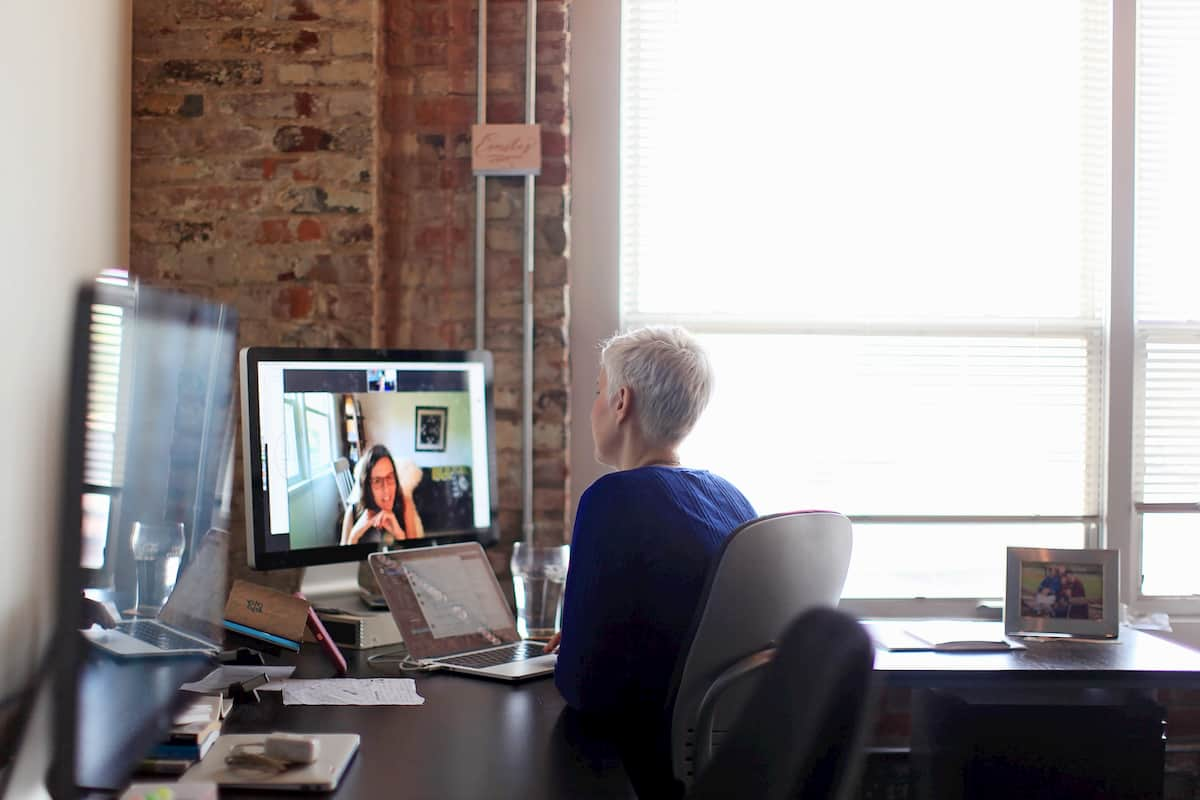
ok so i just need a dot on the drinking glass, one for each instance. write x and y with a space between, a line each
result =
539 575
157 552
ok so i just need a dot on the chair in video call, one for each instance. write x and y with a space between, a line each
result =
801 732
769 570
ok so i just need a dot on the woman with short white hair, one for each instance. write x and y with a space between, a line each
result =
643 541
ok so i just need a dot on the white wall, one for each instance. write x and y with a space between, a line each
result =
64 192
595 93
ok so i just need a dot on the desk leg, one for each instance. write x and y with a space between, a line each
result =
1083 745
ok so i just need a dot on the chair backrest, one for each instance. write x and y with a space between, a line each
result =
801 734
768 571
345 481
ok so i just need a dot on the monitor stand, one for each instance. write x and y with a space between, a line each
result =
341 586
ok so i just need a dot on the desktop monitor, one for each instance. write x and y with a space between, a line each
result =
149 440
350 451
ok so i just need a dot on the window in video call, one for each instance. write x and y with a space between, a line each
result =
317 421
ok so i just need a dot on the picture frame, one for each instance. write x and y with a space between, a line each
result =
430 435
1062 592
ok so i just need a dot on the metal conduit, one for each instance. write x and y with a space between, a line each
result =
527 395
528 245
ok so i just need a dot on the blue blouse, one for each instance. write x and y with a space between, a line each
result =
642 545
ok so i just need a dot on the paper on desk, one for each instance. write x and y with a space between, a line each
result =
352 692
222 677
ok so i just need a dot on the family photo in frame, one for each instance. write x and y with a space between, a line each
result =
1060 592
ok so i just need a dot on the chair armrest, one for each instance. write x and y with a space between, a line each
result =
707 709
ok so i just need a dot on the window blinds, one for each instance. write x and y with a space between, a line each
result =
1167 253
893 235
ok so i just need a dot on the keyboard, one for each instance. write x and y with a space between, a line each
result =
517 651
156 634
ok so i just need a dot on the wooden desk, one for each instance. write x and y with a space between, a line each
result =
471 738
1135 661
1063 718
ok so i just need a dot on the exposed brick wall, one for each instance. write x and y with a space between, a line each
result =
307 161
254 169
428 196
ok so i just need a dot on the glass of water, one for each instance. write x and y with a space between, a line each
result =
157 552
539 575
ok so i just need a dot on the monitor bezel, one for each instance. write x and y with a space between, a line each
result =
257 555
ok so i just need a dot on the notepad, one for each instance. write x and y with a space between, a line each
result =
944 636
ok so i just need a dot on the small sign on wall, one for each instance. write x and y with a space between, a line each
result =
506 149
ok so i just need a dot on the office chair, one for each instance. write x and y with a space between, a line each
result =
769 570
802 732
345 480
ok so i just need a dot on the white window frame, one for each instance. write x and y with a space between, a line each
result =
594 266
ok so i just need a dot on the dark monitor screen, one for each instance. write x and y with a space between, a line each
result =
149 443
349 451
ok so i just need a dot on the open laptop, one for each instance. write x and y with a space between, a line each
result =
451 612
189 623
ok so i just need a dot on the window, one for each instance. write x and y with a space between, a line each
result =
895 237
309 430
1167 304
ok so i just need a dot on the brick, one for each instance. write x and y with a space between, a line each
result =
353 43
168 105
155 170
274 231
226 72
352 104
318 200
271 105
302 138
208 10
334 73
266 40
294 303
198 198
309 230
342 11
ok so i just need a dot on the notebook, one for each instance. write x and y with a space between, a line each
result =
189 623
335 751
452 614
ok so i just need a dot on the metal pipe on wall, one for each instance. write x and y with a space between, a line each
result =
527 421
480 180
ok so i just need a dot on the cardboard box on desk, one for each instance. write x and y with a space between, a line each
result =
264 609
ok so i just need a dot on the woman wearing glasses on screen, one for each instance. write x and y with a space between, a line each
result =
643 541
381 509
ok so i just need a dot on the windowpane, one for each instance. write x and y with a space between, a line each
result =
890 224
949 560
1170 553
904 425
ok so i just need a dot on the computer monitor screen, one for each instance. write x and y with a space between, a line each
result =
348 451
149 443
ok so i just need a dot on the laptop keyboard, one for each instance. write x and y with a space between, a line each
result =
154 633
517 651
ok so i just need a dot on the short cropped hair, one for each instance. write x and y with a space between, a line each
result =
670 377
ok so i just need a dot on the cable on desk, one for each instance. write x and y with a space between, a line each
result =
403 660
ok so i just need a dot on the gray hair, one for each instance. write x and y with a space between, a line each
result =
670 377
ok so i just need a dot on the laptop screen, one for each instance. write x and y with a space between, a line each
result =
445 600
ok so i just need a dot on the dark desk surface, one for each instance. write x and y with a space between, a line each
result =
471 738
1135 660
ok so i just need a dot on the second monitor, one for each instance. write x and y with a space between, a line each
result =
350 450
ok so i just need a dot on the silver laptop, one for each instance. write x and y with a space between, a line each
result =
452 614
190 621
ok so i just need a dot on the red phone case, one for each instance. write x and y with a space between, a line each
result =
322 636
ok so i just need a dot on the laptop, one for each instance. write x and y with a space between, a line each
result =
452 614
189 623
335 751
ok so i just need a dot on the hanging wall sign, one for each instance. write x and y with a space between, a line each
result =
506 149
